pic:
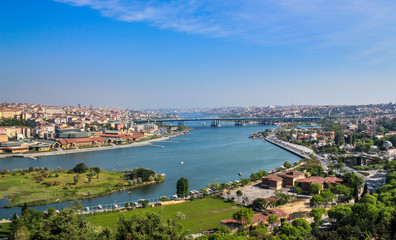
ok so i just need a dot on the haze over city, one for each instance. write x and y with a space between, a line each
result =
197 54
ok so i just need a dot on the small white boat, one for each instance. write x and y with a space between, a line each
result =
99 206
181 163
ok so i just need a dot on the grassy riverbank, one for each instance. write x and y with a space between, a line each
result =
200 215
42 186
4 230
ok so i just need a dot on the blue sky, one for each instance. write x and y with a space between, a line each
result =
148 54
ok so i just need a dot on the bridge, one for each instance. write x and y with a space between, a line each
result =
241 121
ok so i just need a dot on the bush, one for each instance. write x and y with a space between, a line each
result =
142 173
80 168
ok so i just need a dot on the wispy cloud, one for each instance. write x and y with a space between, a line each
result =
365 28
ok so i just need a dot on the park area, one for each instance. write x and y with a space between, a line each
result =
41 186
195 216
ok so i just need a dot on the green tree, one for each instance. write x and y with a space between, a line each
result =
315 188
341 213
51 225
243 216
298 190
245 181
80 168
148 226
317 200
261 232
302 225
287 164
239 194
142 173
97 171
317 213
260 204
327 195
288 231
182 187
272 219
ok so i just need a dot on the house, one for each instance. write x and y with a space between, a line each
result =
306 183
290 178
79 142
322 143
272 181
257 219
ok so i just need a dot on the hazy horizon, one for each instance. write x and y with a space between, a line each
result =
187 54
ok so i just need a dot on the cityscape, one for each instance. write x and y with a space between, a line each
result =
207 120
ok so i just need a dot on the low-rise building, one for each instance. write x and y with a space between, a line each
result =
291 177
306 183
272 181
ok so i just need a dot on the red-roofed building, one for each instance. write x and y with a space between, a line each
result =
306 183
258 218
272 181
290 178
79 142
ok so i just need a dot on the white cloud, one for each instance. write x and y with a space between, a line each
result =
366 28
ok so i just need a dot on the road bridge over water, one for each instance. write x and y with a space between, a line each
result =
241 121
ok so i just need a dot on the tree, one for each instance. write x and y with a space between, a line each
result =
340 212
245 181
287 164
182 187
260 204
51 225
260 232
317 213
316 200
272 219
288 231
302 225
298 190
148 226
327 196
80 168
140 173
97 171
239 194
365 189
243 216
315 188
24 207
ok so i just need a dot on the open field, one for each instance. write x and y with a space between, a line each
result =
210 211
45 186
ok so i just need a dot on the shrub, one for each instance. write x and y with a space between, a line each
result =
80 168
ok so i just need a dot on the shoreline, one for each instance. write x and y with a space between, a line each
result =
33 204
83 150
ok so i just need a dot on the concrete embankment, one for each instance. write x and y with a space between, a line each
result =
300 151
82 150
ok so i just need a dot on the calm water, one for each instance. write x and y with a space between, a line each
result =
209 155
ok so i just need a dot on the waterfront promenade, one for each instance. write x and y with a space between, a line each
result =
298 150
82 150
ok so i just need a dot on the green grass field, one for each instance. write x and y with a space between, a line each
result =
210 211
4 230
21 187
